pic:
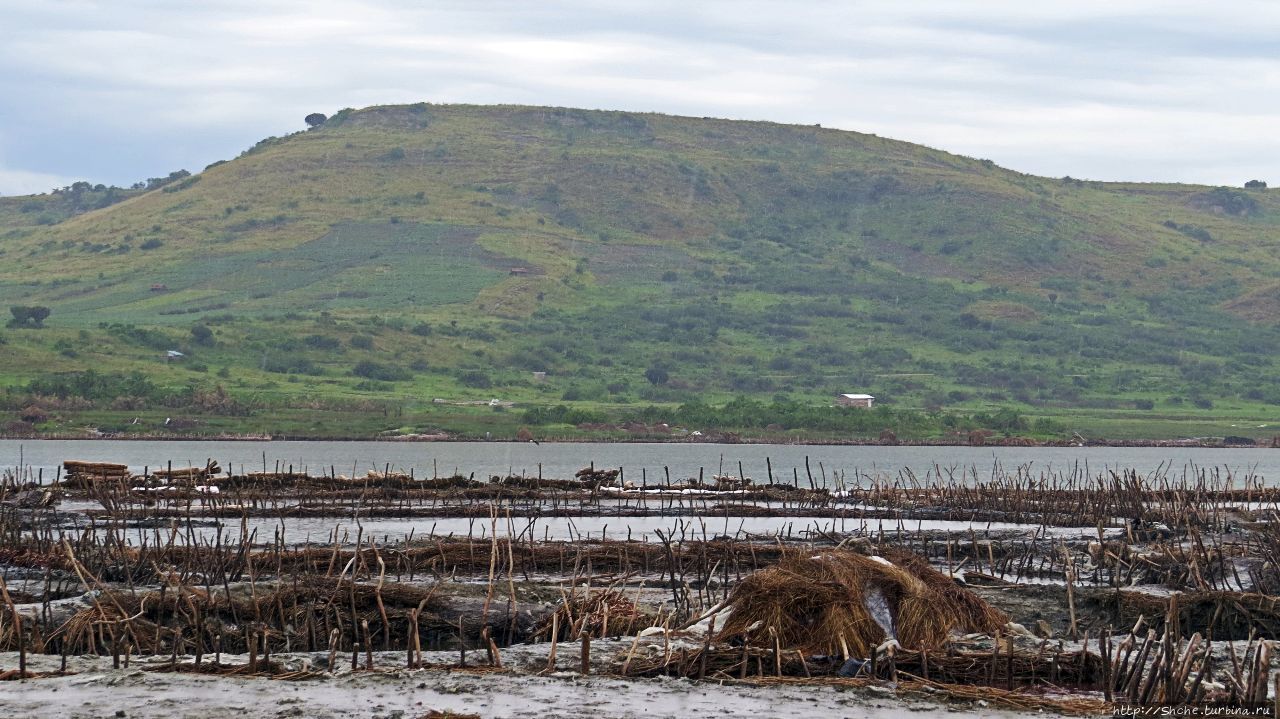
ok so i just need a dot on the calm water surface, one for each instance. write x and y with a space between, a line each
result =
561 460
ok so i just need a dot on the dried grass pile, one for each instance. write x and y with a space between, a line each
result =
829 604
595 614
296 614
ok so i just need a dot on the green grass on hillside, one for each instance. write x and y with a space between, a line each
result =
395 255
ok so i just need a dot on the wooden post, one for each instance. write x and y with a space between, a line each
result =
586 653
333 650
368 644
496 657
462 646
415 640
626 665
706 643
777 651
22 648
1071 600
555 638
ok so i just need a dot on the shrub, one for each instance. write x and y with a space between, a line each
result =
380 372
291 364
322 342
475 379
25 316
92 385
202 335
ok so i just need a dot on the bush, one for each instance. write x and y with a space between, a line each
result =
92 385
322 342
380 372
560 414
364 342
202 335
475 379
28 316
291 364
422 329
150 244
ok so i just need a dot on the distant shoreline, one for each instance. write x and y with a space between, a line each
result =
1021 442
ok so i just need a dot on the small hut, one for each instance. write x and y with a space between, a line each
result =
854 400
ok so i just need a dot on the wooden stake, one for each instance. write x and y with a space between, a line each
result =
555 638
368 644
333 649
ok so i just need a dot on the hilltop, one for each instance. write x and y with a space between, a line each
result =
348 275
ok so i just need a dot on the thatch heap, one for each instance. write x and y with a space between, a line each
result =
592 614
847 604
297 614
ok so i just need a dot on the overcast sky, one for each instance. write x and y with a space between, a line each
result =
120 90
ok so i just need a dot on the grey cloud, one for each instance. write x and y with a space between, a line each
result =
1140 90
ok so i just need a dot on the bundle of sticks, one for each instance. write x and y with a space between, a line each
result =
1004 666
77 473
187 473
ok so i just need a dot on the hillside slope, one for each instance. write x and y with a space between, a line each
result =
405 253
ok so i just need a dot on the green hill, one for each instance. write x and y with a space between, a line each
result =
350 274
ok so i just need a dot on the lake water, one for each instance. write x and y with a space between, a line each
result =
561 460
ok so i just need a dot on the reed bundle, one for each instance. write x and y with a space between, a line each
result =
1007 666
174 619
844 603
593 614
1215 614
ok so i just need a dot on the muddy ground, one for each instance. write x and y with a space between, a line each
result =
96 690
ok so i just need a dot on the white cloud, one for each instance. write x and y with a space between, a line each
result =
21 182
